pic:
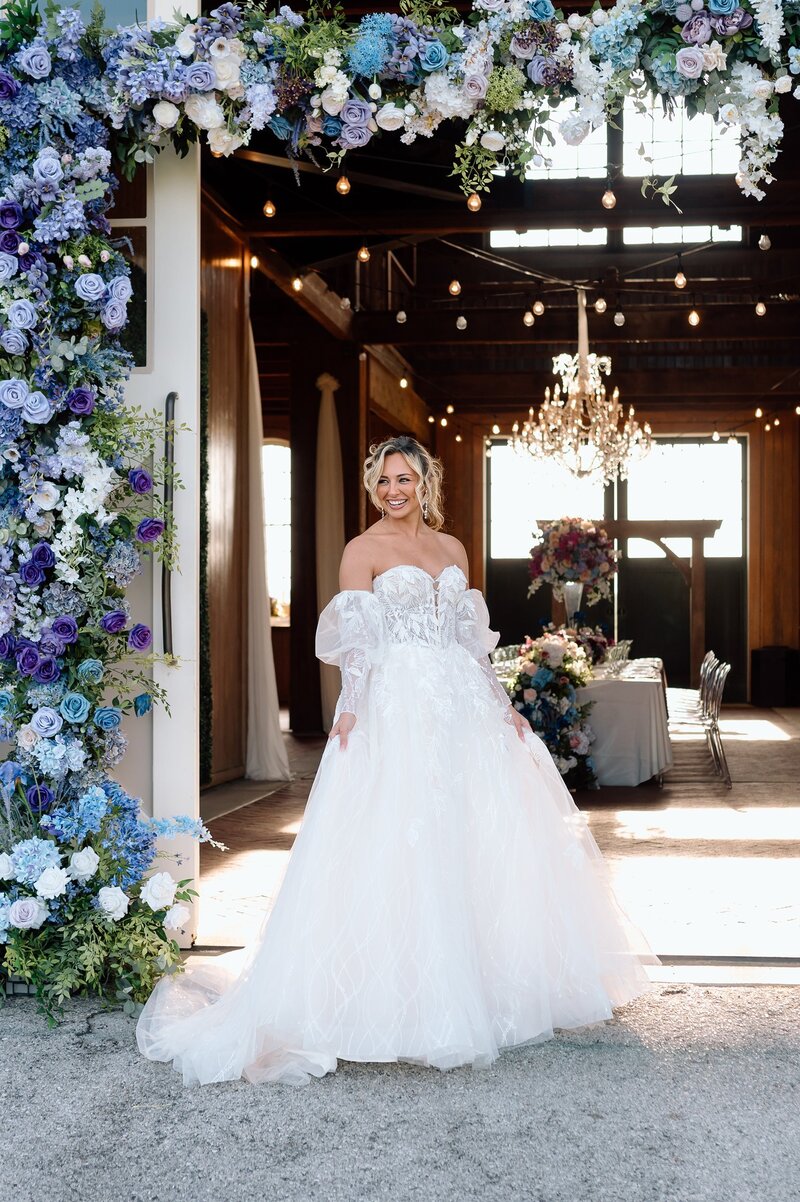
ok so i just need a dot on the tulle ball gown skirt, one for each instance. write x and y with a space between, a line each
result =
444 899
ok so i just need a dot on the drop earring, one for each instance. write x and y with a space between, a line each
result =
425 511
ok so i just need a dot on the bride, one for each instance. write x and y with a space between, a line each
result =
444 898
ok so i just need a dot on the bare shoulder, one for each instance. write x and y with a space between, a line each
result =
355 570
454 550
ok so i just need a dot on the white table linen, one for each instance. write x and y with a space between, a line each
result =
629 719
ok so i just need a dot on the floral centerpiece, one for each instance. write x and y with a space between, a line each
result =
543 688
573 550
592 639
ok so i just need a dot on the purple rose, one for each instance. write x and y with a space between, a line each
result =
47 170
22 315
140 637
523 44
355 112
114 621
7 646
200 76
27 914
537 69
697 30
47 721
31 574
13 393
8 86
65 628
37 408
735 22
90 287
9 241
27 660
689 62
40 798
476 86
149 530
8 266
42 555
15 342
81 401
10 214
114 315
120 289
34 60
47 670
140 480
353 137
50 645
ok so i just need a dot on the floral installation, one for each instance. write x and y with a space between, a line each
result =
318 82
573 550
592 639
543 688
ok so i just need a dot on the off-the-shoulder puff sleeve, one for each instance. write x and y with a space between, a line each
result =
473 633
350 635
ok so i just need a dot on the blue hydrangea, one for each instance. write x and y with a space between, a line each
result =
5 906
123 563
128 839
671 81
58 222
31 857
79 818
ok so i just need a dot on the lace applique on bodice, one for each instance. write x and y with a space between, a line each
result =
417 607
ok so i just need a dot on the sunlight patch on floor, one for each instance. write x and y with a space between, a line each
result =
751 825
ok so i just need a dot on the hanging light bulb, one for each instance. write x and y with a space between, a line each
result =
767 427
759 412
450 409
269 209
443 421
474 202
715 436
401 317
797 410
363 254
297 283
608 199
538 307
461 323
764 242
732 440
403 382
777 421
600 305
761 308
527 318
254 261
454 288
495 428
680 278
619 318
431 418
343 185
694 316
459 438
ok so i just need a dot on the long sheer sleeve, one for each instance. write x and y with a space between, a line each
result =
473 633
350 635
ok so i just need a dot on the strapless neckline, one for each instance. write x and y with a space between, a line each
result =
416 568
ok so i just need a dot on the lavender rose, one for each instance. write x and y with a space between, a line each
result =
47 169
727 26
353 137
9 266
90 287
200 76
537 69
47 670
140 637
697 30
42 555
13 393
689 62
34 60
10 214
47 722
50 645
22 315
114 621
149 530
65 628
355 112
140 480
14 341
27 914
81 401
523 45
37 408
120 289
8 86
114 315
476 86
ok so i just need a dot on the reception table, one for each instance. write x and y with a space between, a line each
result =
629 719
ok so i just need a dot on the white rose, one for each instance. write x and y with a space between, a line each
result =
237 49
332 101
375 91
27 738
729 113
166 114
575 21
222 141
563 31
599 16
113 902
783 84
762 89
5 867
83 864
204 111
492 140
52 883
227 72
47 495
184 42
159 891
177 916
27 913
390 117
714 57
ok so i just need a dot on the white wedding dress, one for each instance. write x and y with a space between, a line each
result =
444 898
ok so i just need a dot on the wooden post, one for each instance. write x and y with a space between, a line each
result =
697 602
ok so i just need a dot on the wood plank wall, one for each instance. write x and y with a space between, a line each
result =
223 297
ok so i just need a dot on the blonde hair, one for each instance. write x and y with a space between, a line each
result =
427 467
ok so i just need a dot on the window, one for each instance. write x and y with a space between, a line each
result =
276 468
570 237
688 479
676 145
589 160
523 489
679 235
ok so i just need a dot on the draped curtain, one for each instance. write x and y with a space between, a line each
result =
267 758
330 526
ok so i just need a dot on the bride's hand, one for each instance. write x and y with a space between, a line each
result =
342 728
520 724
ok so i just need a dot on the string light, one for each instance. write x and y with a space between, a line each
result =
495 428
443 421
403 382
715 436
600 305
527 318
269 209
461 323
431 418
767 427
761 308
776 421
450 409
454 288
608 199
619 318
764 242
343 185
538 307
459 438
680 278
401 317
363 254
797 410
474 202
733 440
694 316
759 412
254 261
297 283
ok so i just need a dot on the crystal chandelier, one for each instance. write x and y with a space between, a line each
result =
579 424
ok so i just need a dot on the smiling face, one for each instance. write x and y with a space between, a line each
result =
397 487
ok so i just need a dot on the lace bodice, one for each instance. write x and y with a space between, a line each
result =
407 605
